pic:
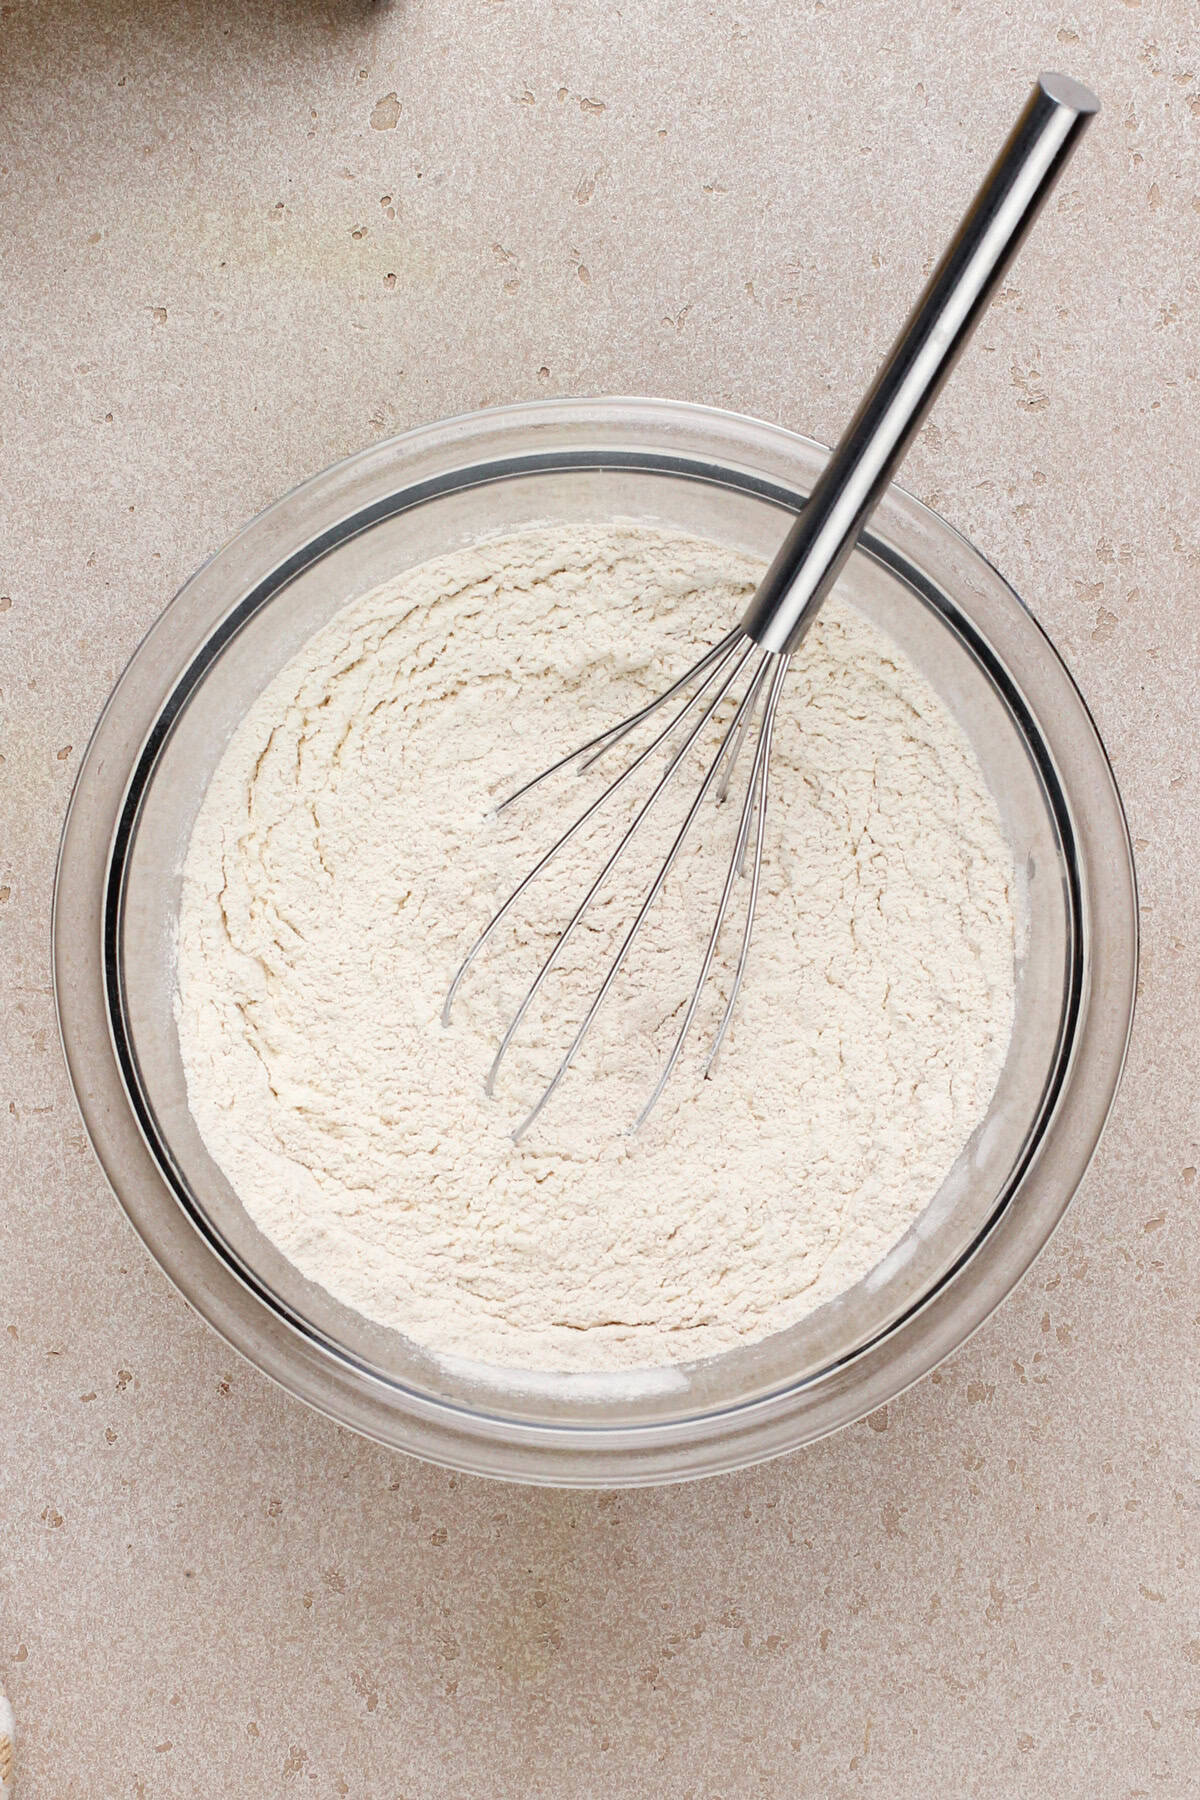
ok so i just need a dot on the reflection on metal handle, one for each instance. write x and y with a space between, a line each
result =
877 438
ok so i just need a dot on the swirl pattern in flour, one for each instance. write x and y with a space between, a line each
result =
346 854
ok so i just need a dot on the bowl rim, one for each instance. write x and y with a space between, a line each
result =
86 965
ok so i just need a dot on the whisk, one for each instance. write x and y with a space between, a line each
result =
748 668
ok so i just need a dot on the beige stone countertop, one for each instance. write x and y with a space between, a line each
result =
243 238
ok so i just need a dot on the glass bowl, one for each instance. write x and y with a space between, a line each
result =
735 481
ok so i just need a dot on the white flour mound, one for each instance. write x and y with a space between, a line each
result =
346 855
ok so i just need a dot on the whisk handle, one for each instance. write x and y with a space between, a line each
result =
877 438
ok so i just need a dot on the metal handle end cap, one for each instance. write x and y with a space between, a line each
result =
1066 91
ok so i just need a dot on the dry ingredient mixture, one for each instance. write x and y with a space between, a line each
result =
347 853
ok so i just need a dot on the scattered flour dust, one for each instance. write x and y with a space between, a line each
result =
347 853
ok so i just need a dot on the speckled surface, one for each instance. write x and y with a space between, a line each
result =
241 240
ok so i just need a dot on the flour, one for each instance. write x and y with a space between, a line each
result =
347 853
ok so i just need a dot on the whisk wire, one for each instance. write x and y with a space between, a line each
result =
736 861
656 885
743 732
623 844
763 751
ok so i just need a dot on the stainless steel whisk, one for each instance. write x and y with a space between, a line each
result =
752 661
